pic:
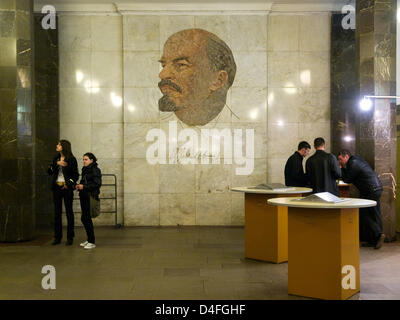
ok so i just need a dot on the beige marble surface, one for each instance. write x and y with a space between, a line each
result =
281 90
350 203
290 190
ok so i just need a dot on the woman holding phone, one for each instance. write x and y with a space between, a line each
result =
64 172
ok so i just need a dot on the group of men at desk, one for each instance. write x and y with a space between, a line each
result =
322 172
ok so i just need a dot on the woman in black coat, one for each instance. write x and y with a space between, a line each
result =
64 172
89 186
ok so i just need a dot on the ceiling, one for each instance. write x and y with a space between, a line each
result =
193 1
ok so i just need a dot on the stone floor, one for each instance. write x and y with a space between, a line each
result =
168 263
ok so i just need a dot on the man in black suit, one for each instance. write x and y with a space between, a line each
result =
294 172
322 169
357 171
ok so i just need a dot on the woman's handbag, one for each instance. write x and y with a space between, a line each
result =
94 207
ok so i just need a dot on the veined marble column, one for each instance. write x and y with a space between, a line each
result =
376 129
47 116
344 86
17 130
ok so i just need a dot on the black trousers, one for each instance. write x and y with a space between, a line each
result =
371 218
86 218
68 196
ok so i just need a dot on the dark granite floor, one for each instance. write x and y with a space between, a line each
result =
168 263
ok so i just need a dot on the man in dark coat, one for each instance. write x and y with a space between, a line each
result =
322 169
294 172
357 171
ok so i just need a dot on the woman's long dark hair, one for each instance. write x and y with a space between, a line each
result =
91 156
66 149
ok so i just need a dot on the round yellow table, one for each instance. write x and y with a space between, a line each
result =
266 236
323 247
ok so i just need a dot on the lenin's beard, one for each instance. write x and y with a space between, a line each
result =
165 103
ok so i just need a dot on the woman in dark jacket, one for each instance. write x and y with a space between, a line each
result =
89 186
64 172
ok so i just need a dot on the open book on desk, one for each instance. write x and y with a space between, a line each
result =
322 197
273 187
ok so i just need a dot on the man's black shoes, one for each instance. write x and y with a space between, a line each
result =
69 242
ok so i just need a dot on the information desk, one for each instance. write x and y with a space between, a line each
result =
265 225
344 189
323 247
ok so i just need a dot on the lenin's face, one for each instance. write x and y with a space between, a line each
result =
186 76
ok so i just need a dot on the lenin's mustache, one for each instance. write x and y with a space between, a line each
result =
167 82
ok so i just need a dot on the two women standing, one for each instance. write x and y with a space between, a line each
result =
64 172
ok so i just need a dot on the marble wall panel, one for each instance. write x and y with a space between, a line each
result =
319 27
283 33
106 33
249 104
75 105
107 140
242 26
237 209
177 178
141 33
283 69
75 70
317 65
140 176
213 209
177 209
141 69
106 105
251 69
141 105
213 178
76 33
141 209
196 193
106 69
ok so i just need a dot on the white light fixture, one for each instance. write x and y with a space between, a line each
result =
365 104
347 138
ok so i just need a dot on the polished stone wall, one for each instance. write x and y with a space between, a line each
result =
344 86
17 122
281 91
90 81
298 85
47 116
376 129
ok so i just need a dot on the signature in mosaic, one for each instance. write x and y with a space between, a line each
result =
198 69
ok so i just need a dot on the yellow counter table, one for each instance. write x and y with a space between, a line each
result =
323 247
266 226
